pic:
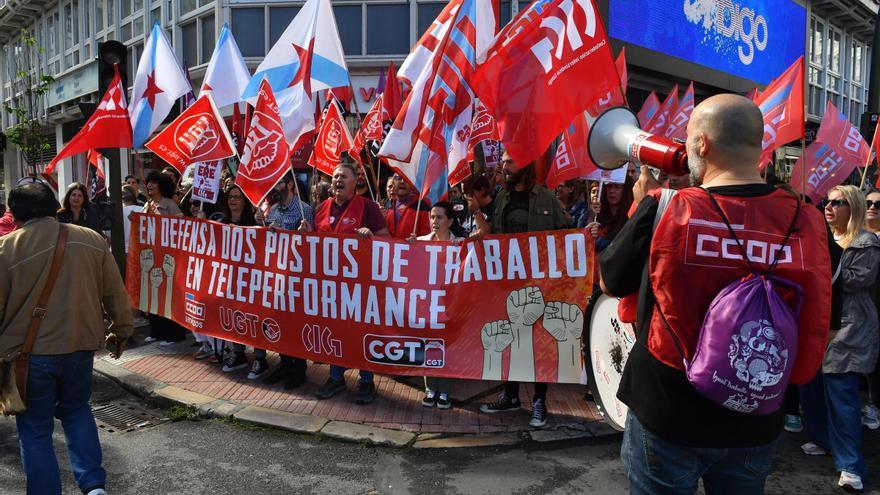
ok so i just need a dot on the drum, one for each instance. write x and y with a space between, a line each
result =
610 341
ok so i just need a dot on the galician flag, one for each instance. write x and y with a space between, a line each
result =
159 83
308 57
227 75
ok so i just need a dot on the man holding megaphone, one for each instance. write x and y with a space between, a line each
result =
700 242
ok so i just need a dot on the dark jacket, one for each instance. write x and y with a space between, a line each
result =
545 211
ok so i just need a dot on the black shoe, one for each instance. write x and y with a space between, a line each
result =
430 399
330 388
366 393
296 379
539 414
504 403
235 362
443 402
258 369
282 372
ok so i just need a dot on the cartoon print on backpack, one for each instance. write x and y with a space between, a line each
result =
759 354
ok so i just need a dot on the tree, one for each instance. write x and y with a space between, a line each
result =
27 108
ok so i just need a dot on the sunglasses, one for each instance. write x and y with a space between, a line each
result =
834 203
873 204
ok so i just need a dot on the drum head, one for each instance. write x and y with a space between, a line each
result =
609 344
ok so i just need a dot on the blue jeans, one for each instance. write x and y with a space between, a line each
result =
337 372
657 466
833 416
59 386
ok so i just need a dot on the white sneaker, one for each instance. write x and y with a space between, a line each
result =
811 448
166 343
97 491
871 417
150 340
850 481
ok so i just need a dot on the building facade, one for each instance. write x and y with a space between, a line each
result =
744 48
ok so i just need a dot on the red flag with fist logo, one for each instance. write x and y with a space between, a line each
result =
266 152
199 134
333 140
547 66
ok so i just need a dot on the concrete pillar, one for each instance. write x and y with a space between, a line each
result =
64 167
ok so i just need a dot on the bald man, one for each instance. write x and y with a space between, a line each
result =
675 436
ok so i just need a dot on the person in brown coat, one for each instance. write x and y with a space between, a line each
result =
71 329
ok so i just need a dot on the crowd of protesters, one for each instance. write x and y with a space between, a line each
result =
508 198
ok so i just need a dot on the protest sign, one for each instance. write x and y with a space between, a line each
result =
206 181
378 304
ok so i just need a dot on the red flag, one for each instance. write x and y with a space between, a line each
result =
371 129
96 160
621 70
572 159
838 132
266 152
236 128
534 78
108 127
198 134
649 109
677 128
343 94
483 127
392 101
661 119
782 104
333 140
753 94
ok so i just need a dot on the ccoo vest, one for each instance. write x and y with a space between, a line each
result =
693 258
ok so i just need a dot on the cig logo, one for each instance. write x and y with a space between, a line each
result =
733 21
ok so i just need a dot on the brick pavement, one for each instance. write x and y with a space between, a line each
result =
397 404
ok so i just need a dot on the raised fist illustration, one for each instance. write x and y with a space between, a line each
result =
496 335
564 321
146 260
156 277
168 265
525 306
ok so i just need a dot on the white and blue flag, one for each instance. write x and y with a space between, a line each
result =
160 81
227 75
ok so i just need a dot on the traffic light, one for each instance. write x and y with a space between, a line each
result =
109 53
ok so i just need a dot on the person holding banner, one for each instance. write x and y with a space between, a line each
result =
161 188
443 228
287 213
239 211
675 435
524 206
347 213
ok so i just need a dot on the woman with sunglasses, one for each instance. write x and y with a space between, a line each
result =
871 411
831 402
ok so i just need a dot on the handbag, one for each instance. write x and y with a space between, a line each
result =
13 374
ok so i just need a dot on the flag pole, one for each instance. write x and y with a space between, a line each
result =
804 168
418 207
865 172
357 112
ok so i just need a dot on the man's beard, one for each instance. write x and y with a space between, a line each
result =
696 167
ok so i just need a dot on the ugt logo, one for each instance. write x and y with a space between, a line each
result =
566 28
262 147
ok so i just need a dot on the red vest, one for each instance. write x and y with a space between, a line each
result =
348 223
401 227
693 257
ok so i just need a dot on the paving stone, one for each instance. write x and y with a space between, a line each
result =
176 395
301 423
558 434
469 441
220 408
355 432
140 385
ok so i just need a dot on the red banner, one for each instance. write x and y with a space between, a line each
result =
378 304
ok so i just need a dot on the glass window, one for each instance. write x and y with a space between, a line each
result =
208 40
504 14
834 51
155 16
138 5
818 54
138 25
190 37
68 26
387 32
111 13
187 6
348 21
857 62
427 13
248 27
125 31
86 17
134 56
99 15
125 11
279 19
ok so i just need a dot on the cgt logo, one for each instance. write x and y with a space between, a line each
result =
405 351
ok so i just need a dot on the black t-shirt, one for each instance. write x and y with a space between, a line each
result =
660 396
516 214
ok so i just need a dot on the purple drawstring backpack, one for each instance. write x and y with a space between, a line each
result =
748 343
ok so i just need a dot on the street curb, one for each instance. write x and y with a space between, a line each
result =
168 396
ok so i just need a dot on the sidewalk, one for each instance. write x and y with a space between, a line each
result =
397 418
